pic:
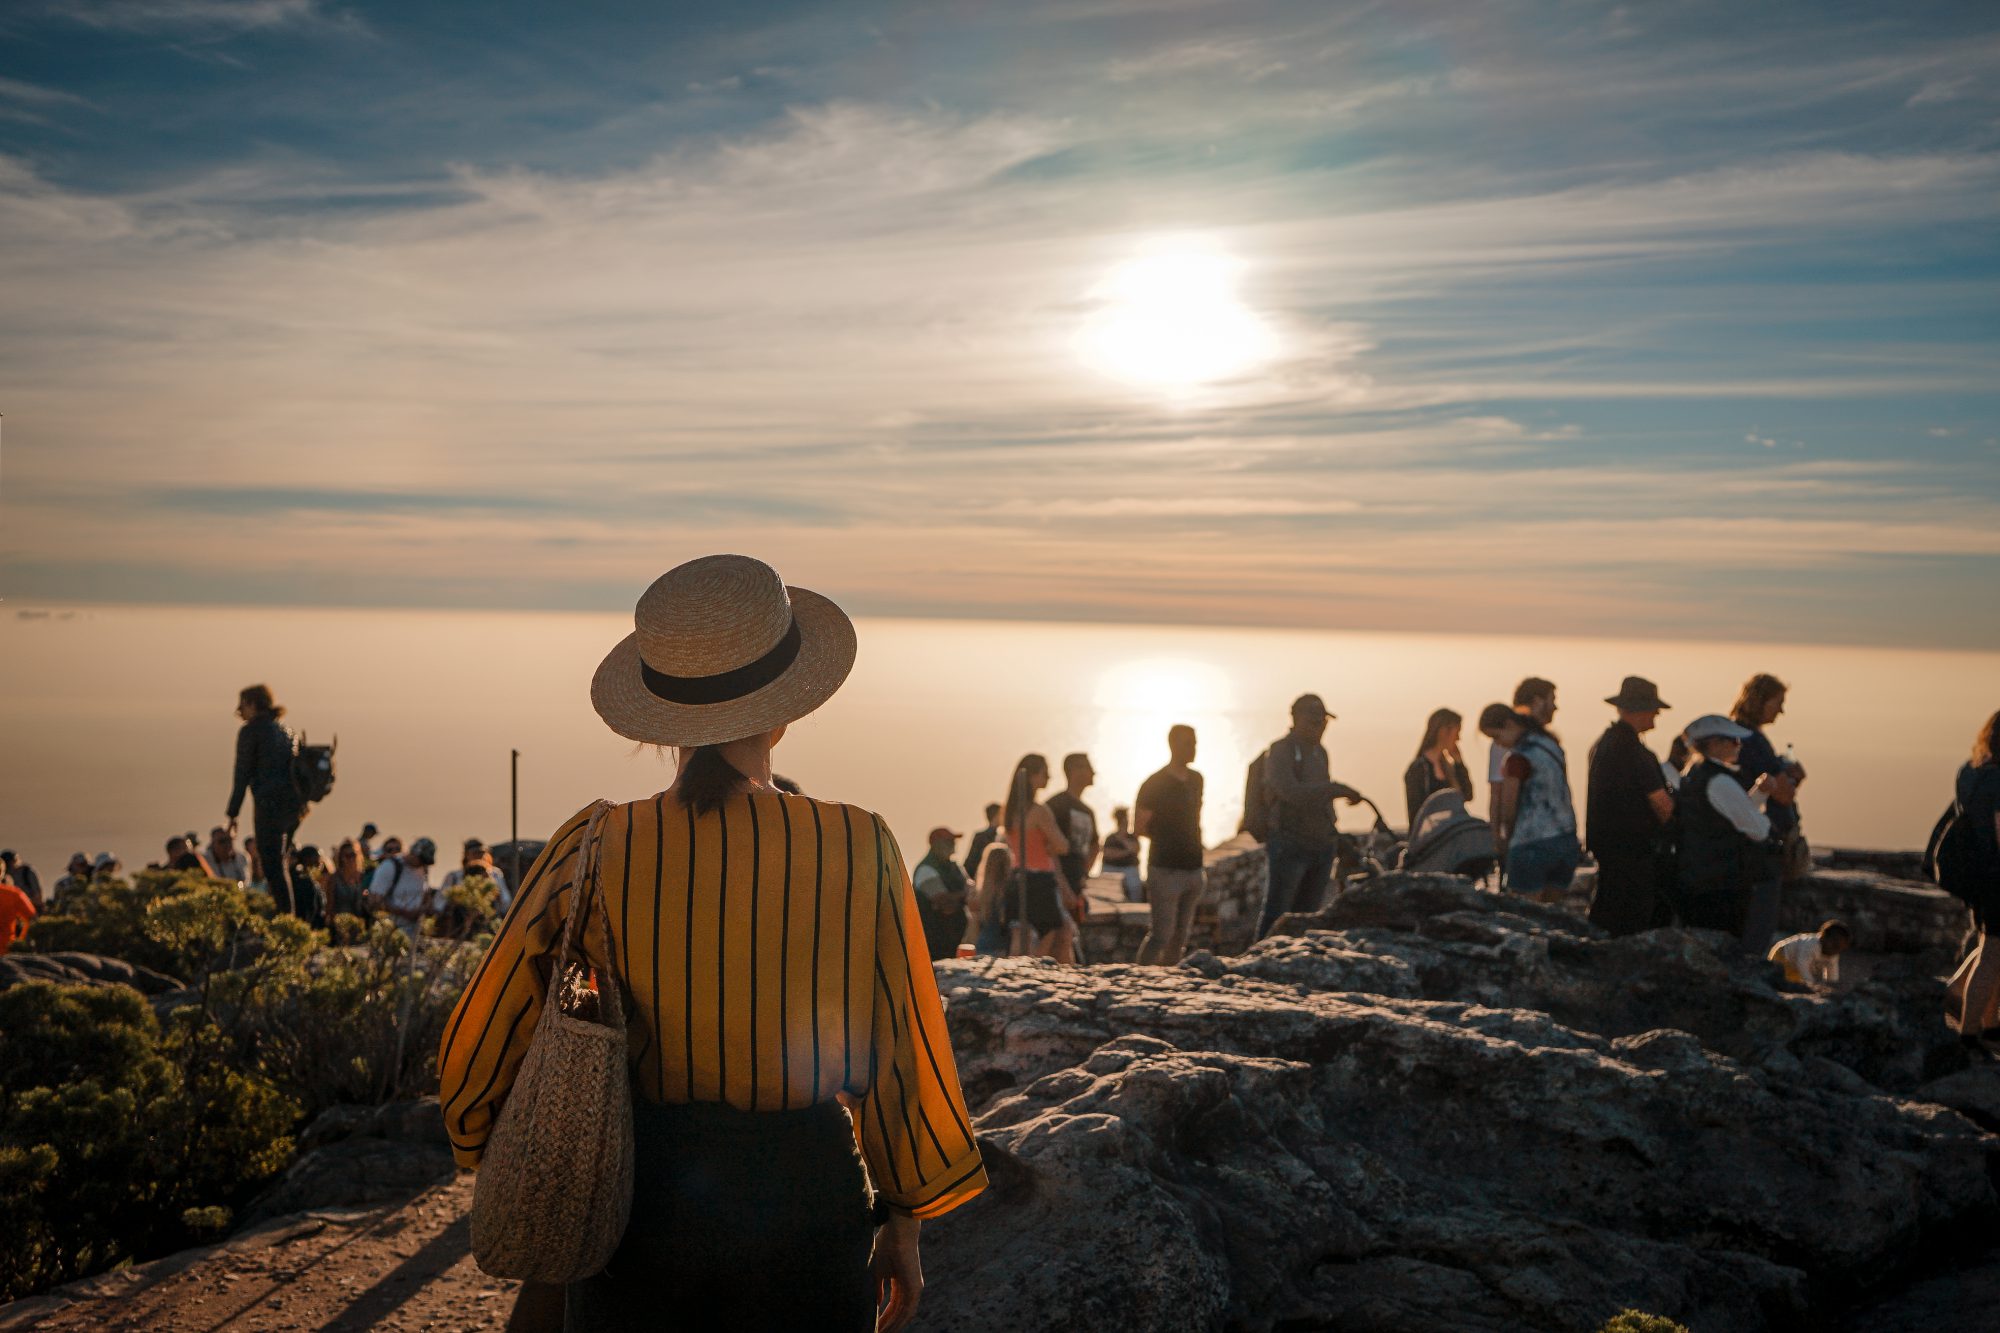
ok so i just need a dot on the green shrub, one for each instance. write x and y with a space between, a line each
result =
123 1134
1637 1321
181 924
116 1140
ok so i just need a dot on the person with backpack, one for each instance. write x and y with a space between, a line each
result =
402 886
265 750
1535 829
1964 858
1298 796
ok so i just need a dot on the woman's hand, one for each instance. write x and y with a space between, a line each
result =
897 1272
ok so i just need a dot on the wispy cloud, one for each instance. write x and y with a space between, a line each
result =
1554 311
200 15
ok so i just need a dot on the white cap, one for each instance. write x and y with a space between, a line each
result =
1711 725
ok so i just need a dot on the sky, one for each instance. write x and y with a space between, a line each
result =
1678 319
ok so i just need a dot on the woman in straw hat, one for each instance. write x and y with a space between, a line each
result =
771 953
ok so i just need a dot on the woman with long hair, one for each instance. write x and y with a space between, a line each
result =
1438 765
986 927
1759 767
1977 981
1038 847
782 1005
264 749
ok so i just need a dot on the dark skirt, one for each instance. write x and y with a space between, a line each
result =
1031 897
740 1220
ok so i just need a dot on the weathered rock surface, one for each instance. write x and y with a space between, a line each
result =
357 1157
1445 1113
1435 937
83 969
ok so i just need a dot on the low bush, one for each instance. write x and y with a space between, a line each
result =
1637 1321
116 1140
124 1133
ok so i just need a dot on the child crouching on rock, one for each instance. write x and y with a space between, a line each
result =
1813 958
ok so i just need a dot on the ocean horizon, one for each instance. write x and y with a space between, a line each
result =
120 728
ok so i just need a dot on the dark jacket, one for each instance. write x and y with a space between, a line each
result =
264 748
1715 856
1421 782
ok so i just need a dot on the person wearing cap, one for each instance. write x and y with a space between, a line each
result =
22 876
74 881
1535 832
1305 837
1724 832
475 860
769 951
940 884
264 751
105 867
402 886
1629 806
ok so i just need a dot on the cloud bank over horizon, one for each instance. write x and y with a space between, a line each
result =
1582 318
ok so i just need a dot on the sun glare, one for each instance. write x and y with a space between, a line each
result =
1171 317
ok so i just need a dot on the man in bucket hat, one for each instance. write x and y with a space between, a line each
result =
1629 807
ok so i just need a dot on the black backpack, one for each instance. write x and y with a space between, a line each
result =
1951 859
1256 819
312 770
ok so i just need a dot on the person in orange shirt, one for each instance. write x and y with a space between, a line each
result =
16 911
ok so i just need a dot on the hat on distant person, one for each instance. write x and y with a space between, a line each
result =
722 649
1638 695
942 832
1310 703
1713 725
104 861
424 851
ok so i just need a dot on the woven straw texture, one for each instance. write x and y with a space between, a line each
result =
554 1189
711 616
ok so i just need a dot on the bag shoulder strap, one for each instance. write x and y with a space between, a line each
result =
582 891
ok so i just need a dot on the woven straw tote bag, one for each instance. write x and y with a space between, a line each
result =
554 1189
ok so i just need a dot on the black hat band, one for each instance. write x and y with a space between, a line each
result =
726 685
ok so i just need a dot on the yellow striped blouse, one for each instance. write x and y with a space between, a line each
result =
773 959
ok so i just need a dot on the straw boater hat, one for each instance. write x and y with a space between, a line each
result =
722 650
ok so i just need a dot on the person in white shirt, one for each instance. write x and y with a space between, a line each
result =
1725 834
478 861
1813 958
402 885
1533 697
227 859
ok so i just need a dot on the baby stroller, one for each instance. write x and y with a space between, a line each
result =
1447 839
1363 856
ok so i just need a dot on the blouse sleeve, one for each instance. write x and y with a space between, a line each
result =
915 1133
489 1031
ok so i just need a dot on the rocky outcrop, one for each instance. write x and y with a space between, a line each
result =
358 1157
83 969
1441 1109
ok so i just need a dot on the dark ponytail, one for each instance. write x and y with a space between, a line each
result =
707 780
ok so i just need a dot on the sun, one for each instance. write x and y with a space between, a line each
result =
1171 317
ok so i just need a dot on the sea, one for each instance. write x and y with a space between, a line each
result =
118 729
